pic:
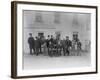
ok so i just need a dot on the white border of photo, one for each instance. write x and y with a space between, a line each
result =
22 72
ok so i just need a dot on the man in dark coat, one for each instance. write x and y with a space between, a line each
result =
31 43
40 44
37 45
63 46
47 43
67 45
51 39
51 46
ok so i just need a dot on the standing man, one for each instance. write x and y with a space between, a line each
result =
51 39
44 46
67 45
37 46
31 43
48 43
51 46
63 46
79 48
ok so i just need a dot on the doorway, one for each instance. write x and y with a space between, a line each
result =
41 34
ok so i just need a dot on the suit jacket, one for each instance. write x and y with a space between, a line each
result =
47 42
37 43
31 41
68 43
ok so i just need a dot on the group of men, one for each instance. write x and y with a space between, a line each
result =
51 46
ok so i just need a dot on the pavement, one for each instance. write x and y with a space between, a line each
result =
46 62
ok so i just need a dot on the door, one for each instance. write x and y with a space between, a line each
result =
41 34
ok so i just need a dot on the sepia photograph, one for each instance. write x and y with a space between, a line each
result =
53 39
